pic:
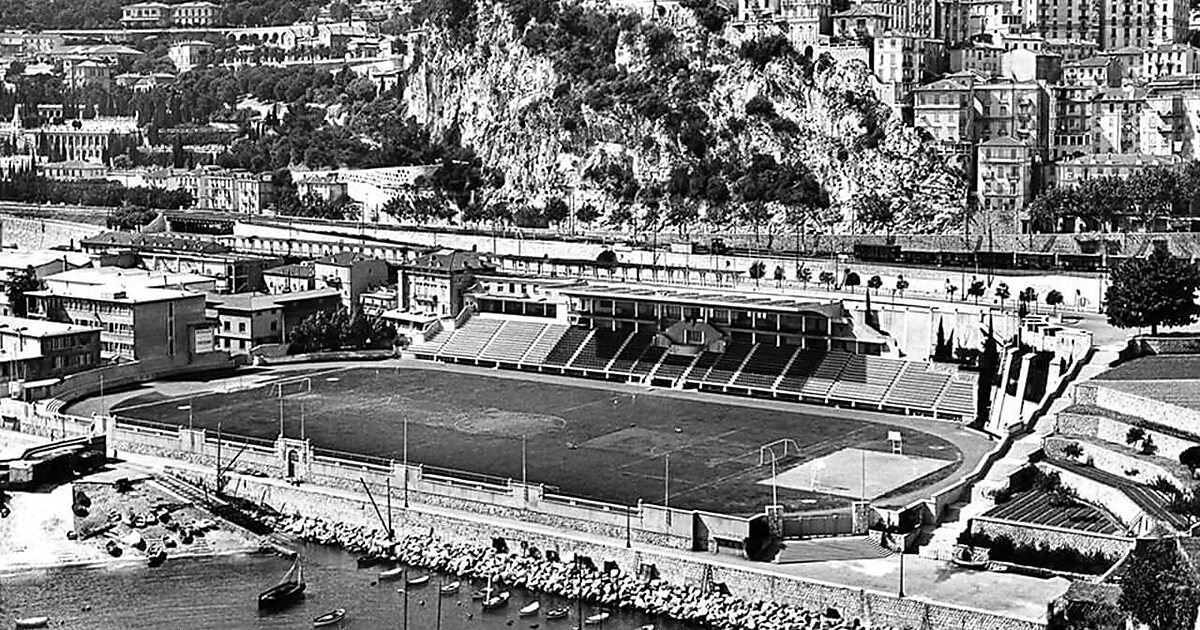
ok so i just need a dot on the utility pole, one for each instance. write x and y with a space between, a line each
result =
191 407
281 417
406 461
667 480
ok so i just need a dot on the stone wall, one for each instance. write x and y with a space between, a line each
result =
1113 430
31 233
750 582
1118 459
1052 537
1115 501
1166 414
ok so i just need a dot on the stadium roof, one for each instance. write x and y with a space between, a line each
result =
778 303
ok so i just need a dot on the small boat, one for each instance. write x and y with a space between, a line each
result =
330 618
289 590
648 626
391 574
558 613
367 561
155 556
450 589
600 617
483 593
33 622
113 548
498 601
530 609
418 580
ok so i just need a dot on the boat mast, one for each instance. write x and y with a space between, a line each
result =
441 584
405 589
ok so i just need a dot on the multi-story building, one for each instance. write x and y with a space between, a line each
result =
289 278
1167 60
33 349
902 62
1070 19
351 274
1169 122
1074 171
1072 120
1023 64
228 271
804 22
188 55
135 323
85 72
1004 184
1143 23
328 188
1095 71
85 140
247 320
72 171
859 24
215 188
161 15
1116 114
1072 49
1132 62
978 57
434 284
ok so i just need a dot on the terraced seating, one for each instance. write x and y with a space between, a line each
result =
566 346
542 347
917 387
512 341
802 368
825 375
647 361
430 347
765 366
599 350
722 371
865 379
469 340
703 365
633 350
673 366
958 398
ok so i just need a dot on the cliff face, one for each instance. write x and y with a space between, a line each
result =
507 100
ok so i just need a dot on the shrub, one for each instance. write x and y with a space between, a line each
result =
1003 549
761 51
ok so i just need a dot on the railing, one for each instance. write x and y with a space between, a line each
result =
590 504
335 457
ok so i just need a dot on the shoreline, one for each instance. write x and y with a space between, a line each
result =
123 561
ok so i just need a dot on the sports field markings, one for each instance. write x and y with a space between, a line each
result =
212 392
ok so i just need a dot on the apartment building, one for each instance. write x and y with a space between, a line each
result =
33 350
1004 184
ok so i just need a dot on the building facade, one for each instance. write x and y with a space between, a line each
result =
32 350
1004 184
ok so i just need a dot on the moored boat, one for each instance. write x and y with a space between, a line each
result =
558 613
367 561
417 580
498 601
394 573
330 618
289 590
155 556
530 609
450 589
33 622
597 618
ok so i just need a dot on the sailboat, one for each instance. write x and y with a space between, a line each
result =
288 591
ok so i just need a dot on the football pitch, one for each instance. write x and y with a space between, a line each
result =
606 443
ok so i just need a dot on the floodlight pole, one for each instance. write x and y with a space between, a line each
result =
191 408
406 462
281 417
774 483
667 480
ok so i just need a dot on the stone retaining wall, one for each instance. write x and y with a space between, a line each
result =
1031 534
1113 430
1110 458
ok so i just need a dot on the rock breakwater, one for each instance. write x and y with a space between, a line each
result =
579 579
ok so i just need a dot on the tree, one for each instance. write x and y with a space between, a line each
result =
758 270
1073 450
827 278
556 211
976 290
1002 293
1159 588
804 274
780 276
874 213
851 280
1190 458
1048 209
875 283
1028 296
607 259
1158 290
587 213
901 285
130 217
18 283
1054 297
1135 435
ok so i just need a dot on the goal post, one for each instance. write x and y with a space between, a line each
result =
778 450
292 387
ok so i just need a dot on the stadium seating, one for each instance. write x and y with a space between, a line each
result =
865 379
958 399
673 366
702 366
566 346
917 387
764 366
723 370
826 374
803 366
599 350
544 344
647 361
429 348
512 341
468 340
629 355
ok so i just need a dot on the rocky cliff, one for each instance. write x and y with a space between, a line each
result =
582 99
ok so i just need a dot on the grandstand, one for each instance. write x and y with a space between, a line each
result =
832 377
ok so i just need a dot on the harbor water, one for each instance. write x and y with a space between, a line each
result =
221 593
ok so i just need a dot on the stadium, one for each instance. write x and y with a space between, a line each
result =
717 401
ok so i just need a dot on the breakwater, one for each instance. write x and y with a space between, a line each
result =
608 585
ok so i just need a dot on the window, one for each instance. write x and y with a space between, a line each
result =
227 326
241 327
693 337
241 344
274 326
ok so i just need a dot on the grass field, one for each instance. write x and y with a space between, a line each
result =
590 442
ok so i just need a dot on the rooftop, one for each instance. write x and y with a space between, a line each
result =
291 271
117 278
172 242
1122 159
125 295
449 260
343 259
265 301
754 301
38 327
16 259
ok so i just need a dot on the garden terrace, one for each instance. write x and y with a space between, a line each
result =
1037 508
